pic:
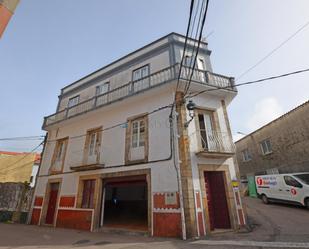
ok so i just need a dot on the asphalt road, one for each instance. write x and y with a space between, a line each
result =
274 226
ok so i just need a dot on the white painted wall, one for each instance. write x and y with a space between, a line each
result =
163 174
212 103
113 140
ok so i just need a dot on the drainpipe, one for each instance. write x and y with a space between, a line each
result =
177 167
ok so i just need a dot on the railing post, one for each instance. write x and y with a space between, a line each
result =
232 82
95 101
66 112
207 76
131 87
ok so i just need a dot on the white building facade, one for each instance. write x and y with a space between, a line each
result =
115 157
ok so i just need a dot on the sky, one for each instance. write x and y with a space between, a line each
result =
50 44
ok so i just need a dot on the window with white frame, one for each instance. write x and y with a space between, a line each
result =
188 61
73 101
246 155
92 146
138 133
101 89
266 147
59 154
140 73
60 151
93 138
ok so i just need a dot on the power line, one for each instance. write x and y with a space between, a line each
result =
194 42
117 125
82 135
198 46
250 82
22 138
8 168
274 50
161 108
185 47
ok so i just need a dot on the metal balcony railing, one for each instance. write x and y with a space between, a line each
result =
216 141
161 77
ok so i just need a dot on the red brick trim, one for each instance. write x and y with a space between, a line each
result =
241 217
201 223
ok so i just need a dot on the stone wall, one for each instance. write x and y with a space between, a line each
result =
289 137
15 201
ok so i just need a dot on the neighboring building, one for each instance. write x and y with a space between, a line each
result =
109 160
281 146
19 167
7 8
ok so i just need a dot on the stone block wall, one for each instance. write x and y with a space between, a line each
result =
15 201
289 137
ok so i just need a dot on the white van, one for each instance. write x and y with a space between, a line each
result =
291 188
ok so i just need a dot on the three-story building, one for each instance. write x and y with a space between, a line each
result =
115 157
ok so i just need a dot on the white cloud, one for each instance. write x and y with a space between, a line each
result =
265 111
237 136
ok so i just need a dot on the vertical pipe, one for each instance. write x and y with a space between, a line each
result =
176 158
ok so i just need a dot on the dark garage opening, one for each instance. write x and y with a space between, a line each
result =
125 205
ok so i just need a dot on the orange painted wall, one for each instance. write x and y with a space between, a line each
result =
76 219
67 201
159 202
38 201
35 218
5 16
167 224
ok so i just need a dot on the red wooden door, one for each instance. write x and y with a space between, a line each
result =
216 199
52 203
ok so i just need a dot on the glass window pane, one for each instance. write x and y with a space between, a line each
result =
92 143
73 101
60 151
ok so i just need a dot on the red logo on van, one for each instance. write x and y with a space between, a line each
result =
293 191
259 181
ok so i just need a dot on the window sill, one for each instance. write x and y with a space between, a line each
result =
55 172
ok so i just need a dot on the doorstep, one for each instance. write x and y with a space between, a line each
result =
123 231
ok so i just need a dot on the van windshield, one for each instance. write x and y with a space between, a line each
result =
303 177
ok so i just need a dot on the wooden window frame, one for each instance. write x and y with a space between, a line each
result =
214 122
129 137
97 186
88 193
64 142
246 155
140 68
97 147
78 97
98 87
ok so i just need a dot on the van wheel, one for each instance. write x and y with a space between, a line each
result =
307 203
265 199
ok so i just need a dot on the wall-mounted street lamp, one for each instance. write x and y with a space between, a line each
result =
190 107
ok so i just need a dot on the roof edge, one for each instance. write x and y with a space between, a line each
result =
275 120
127 55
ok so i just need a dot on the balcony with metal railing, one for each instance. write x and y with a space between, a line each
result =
134 87
215 144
